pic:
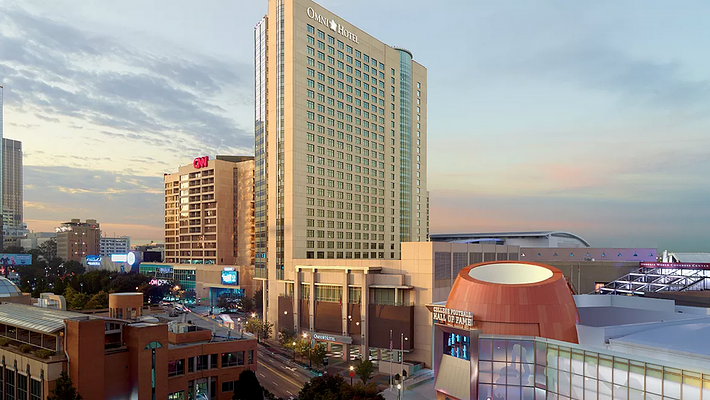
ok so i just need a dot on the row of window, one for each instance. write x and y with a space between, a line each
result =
347 254
202 362
14 385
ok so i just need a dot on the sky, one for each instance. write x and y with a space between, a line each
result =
588 117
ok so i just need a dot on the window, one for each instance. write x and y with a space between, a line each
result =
21 387
232 359
176 367
228 386
213 361
10 384
177 395
35 389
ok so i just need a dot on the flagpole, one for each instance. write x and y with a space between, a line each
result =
401 361
391 359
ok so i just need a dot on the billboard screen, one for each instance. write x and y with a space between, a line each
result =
93 261
15 259
229 277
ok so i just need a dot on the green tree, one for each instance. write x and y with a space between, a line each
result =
247 387
222 302
64 389
303 348
99 300
260 328
48 249
246 304
259 300
364 369
326 387
318 353
287 337
75 300
73 267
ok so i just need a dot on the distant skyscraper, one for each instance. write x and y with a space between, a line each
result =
76 239
1 136
340 141
12 185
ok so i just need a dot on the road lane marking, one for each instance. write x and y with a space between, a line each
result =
284 377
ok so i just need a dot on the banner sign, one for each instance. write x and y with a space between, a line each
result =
15 259
449 316
647 264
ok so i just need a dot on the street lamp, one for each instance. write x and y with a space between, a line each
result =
294 351
399 391
352 373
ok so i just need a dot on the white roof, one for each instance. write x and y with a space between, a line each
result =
38 319
687 338
692 257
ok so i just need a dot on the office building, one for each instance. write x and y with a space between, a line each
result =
513 330
340 148
12 182
2 90
114 245
124 356
76 239
209 212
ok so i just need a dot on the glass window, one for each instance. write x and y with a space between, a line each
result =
232 359
35 389
21 387
177 395
9 384
228 386
176 367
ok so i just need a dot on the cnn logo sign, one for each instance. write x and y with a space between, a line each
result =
200 162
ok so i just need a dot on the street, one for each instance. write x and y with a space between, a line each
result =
279 375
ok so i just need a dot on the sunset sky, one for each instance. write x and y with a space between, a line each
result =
585 116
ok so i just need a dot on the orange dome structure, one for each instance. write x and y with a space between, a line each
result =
516 298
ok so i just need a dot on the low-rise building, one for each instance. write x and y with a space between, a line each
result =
126 356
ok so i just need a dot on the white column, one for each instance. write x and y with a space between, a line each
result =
312 302
345 310
297 302
365 300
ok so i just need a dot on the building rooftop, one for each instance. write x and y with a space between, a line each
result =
8 289
38 319
687 338
479 237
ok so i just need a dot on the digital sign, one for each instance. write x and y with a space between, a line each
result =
93 261
119 258
200 162
230 277
15 259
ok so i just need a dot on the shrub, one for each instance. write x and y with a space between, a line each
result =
4 341
25 348
44 353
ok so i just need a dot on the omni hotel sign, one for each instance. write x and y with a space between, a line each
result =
334 26
449 316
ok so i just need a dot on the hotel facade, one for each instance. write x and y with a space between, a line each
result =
340 148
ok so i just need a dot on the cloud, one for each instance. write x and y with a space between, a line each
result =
57 72
63 193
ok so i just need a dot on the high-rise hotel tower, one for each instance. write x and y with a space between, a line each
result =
340 142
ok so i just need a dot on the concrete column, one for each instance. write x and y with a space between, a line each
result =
396 293
345 310
364 325
297 302
312 302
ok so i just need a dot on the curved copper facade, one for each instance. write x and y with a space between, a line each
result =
544 308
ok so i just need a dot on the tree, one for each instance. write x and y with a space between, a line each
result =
247 387
364 369
303 348
99 300
75 300
287 337
259 300
73 267
48 248
222 302
262 329
246 304
326 387
318 353
64 389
